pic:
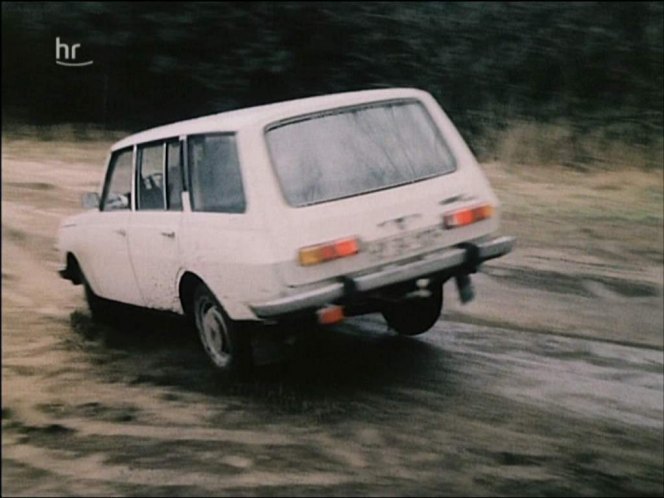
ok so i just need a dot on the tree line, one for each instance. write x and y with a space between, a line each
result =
486 63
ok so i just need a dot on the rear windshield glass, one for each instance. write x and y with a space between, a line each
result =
357 150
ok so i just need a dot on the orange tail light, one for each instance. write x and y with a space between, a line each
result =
321 253
468 216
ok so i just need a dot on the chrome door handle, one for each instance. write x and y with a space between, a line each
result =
121 232
170 235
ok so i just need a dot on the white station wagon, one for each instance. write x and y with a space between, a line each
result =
323 208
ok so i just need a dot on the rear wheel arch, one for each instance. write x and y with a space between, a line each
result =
189 281
187 284
231 351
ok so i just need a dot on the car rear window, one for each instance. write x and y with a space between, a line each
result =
357 150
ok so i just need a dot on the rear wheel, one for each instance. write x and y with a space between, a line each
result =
227 346
415 316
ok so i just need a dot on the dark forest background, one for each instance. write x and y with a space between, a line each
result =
578 70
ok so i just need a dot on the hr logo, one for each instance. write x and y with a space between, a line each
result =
69 54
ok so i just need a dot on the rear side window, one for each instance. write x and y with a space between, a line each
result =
216 182
117 192
151 177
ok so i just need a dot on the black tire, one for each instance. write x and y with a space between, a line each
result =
226 343
415 316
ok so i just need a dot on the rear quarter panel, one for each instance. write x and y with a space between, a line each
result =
233 253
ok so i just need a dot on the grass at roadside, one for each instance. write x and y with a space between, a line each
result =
615 211
590 143
617 214
63 143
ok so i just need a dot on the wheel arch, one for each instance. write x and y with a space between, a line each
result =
186 289
72 269
187 286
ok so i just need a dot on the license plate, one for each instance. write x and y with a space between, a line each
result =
406 244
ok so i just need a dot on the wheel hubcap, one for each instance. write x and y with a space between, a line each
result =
213 332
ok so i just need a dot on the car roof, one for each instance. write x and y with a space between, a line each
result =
232 121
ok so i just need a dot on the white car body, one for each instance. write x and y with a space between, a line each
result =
249 260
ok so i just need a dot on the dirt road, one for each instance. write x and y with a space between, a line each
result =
551 383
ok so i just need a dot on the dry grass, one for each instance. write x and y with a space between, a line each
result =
617 213
68 142
66 132
612 199
605 146
609 145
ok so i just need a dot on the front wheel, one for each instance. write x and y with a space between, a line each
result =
226 345
415 316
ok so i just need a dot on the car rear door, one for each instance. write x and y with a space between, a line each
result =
155 226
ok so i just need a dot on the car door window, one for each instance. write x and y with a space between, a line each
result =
216 183
117 192
174 175
151 177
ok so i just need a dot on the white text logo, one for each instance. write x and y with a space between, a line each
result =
69 54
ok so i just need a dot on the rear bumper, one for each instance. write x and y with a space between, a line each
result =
465 257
